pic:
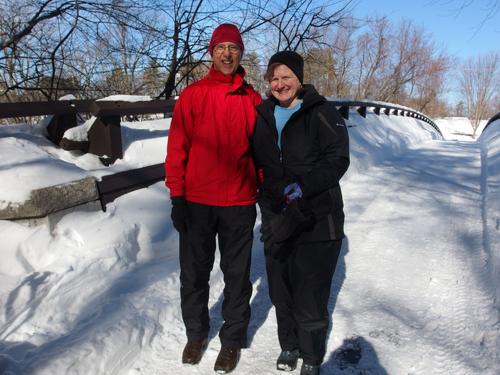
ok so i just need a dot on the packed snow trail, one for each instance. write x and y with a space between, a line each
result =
416 262
408 292
412 293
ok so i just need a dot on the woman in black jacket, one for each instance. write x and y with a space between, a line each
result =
301 148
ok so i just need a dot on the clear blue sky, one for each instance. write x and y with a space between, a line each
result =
461 32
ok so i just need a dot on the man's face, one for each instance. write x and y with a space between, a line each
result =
226 57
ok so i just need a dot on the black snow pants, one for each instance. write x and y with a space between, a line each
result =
233 228
299 287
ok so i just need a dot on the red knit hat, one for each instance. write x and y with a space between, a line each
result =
226 32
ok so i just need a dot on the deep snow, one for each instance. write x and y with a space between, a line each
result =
416 290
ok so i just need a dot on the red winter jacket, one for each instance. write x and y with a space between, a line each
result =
209 158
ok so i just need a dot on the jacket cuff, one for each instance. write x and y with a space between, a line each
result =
179 200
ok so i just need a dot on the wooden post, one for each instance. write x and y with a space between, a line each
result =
58 125
105 138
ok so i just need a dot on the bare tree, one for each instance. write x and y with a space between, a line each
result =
426 91
301 24
294 24
420 70
187 38
50 47
395 64
254 72
343 50
16 28
25 30
330 65
479 82
372 59
40 39
400 65
152 79
319 70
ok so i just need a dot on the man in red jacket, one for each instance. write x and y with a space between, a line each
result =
212 182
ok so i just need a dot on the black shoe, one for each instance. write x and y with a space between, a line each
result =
309 369
193 351
287 361
226 360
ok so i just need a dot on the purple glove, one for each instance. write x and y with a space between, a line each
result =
292 192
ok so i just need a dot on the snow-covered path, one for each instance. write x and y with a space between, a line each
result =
416 262
408 291
413 293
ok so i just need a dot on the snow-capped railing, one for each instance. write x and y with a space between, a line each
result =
104 137
492 120
381 107
113 186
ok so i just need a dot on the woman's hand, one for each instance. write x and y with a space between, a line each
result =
292 192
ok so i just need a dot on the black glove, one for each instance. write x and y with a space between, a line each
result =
276 250
292 221
265 230
179 213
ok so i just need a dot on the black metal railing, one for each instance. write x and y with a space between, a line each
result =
492 120
381 107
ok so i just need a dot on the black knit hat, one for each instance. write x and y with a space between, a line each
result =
291 59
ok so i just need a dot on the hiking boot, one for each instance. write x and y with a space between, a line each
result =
193 351
287 360
226 360
309 369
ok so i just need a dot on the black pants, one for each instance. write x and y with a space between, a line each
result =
299 287
233 226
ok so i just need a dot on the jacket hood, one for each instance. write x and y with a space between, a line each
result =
311 97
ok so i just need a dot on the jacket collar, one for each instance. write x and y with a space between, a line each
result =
236 80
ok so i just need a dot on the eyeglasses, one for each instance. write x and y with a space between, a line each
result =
221 48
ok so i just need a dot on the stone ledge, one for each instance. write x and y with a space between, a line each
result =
45 201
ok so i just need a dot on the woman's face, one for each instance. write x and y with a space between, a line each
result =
284 86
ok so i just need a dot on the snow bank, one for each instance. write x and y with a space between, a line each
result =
378 137
490 144
80 133
30 161
458 128
98 293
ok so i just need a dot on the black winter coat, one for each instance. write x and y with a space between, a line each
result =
314 152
